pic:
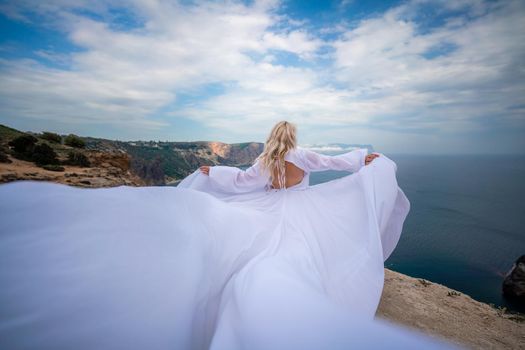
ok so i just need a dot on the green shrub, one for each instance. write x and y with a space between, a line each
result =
23 145
51 137
53 167
43 154
77 158
74 141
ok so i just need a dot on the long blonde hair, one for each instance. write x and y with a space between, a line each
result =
282 138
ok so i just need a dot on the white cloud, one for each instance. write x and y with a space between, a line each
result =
297 41
384 59
135 73
378 76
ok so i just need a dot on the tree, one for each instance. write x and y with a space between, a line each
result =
51 137
23 145
43 154
74 141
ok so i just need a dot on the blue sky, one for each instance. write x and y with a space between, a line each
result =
421 76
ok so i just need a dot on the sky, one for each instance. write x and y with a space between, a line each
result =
419 76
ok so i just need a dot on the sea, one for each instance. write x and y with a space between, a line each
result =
466 225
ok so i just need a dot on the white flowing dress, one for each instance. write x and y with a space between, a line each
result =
218 262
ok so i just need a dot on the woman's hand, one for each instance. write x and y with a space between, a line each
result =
370 157
205 169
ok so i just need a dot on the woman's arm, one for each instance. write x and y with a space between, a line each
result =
235 180
369 158
351 161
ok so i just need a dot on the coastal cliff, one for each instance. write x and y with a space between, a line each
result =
446 313
109 162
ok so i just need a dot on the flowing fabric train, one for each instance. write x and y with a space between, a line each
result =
191 267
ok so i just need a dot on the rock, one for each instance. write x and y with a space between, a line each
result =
458 318
514 282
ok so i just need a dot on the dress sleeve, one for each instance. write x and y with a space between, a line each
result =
234 180
351 161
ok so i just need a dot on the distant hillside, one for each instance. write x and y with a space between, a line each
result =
151 162
175 160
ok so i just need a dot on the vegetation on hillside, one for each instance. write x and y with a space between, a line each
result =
77 158
51 137
153 161
7 133
45 150
74 141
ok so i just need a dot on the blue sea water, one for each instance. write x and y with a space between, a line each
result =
466 225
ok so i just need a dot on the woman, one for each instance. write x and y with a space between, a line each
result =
229 259
334 236
282 141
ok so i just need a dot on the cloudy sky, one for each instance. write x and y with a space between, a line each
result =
421 76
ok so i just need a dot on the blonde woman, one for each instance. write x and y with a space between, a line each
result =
284 165
228 259
317 245
317 249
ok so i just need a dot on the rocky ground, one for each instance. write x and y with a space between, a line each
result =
443 312
107 173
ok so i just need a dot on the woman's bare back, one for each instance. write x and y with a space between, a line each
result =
294 175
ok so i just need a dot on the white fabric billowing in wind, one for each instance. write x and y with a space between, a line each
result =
218 262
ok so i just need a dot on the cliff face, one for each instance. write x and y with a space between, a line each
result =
158 162
446 313
235 154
